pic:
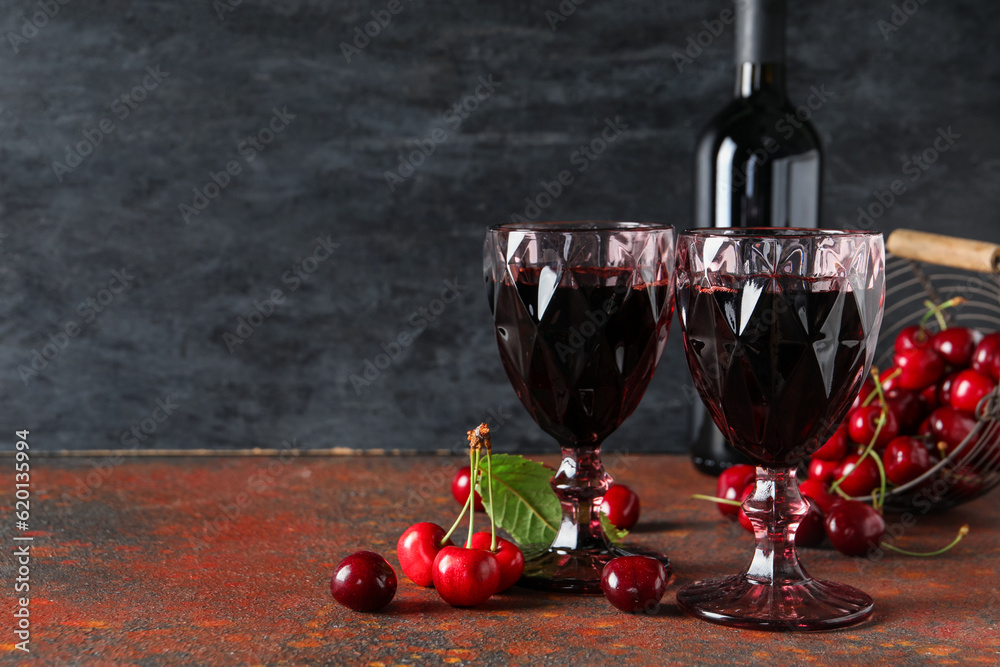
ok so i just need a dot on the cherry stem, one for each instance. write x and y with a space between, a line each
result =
962 532
869 450
724 501
878 497
875 392
489 482
473 475
466 507
942 448
934 310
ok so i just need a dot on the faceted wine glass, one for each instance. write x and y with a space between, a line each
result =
581 312
780 327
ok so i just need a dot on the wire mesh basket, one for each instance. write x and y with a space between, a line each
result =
930 267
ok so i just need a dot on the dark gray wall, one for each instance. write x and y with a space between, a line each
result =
222 75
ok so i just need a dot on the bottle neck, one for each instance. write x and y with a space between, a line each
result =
760 47
755 78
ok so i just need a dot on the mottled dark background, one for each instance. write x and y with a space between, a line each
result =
224 70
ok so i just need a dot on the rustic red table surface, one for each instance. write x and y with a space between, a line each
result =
215 560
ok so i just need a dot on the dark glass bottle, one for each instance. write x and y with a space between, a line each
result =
757 164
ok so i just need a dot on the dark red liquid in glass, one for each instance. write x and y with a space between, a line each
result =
776 362
579 356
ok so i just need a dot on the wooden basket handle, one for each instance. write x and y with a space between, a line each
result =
945 250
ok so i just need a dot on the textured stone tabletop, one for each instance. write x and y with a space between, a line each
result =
216 560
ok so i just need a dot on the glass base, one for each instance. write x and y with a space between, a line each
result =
807 605
576 571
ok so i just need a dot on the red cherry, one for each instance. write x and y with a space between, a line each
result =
942 392
906 459
955 345
363 581
854 527
986 357
969 388
950 426
818 493
911 338
822 471
416 550
862 477
466 577
743 518
731 483
621 504
866 390
634 583
460 486
508 556
862 423
812 529
929 396
890 379
919 368
906 406
835 447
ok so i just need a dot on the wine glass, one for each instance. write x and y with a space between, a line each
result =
780 327
581 312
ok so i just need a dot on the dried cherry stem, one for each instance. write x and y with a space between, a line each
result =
934 310
879 497
724 501
479 439
483 433
962 532
467 507
473 475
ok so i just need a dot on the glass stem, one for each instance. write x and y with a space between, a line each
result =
775 509
581 483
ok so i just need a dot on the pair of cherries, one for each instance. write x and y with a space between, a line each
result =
463 576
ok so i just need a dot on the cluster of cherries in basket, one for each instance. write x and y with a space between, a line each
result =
902 424
923 409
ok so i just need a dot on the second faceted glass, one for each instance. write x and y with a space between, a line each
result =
779 329
581 312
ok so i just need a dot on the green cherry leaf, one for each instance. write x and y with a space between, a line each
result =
524 503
